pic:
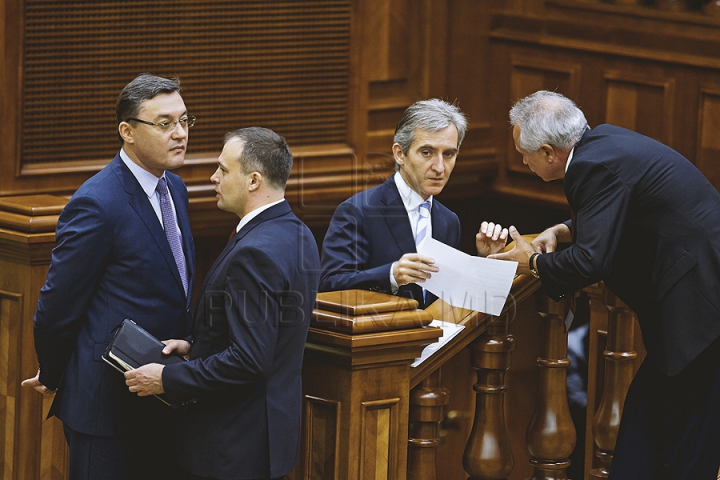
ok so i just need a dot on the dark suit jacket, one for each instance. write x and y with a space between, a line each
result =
112 262
242 387
648 224
370 231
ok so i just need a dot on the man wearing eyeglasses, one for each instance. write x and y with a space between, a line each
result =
124 250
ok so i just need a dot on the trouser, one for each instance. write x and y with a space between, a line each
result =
147 452
670 428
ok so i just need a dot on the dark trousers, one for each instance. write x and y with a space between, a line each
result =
146 453
670 429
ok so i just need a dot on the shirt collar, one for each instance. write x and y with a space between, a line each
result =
246 219
147 180
567 164
410 198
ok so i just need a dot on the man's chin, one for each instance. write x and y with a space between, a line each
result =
176 162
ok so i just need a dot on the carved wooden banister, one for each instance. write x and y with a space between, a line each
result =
620 364
551 433
488 453
427 402
356 358
369 415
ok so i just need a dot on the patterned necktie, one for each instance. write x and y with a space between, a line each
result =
171 230
423 224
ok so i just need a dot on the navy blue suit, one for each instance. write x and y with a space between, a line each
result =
112 261
648 225
241 389
370 231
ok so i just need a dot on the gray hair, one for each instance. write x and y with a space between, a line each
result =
432 115
547 118
144 87
266 152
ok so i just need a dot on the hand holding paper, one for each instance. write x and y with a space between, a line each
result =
464 281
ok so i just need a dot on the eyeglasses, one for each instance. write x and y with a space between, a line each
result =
165 126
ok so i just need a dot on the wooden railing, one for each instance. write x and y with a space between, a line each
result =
369 415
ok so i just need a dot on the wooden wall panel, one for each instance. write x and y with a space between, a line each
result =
641 104
285 65
10 319
708 156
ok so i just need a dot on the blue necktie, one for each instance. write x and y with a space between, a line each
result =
423 228
423 224
171 230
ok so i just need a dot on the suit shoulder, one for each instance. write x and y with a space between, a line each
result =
174 178
446 212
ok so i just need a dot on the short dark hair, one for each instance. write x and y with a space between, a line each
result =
432 115
266 152
144 87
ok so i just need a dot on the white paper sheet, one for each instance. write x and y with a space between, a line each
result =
449 331
465 281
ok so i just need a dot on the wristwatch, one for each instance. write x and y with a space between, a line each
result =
531 262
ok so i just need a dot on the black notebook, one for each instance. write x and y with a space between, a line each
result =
132 346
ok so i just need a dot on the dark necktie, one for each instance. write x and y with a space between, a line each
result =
171 230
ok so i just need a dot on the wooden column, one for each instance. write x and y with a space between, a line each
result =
551 433
620 367
356 384
488 454
427 410
32 448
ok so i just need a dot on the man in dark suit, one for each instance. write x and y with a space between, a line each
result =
372 239
124 250
242 386
647 223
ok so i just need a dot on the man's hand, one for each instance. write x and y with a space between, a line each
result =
145 380
413 268
548 240
520 253
34 382
181 347
491 238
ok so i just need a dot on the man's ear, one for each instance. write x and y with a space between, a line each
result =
256 180
398 154
549 152
126 132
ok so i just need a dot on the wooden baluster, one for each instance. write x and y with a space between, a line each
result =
620 367
488 454
551 433
427 410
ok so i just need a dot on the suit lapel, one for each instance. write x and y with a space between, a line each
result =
282 208
396 217
139 202
439 223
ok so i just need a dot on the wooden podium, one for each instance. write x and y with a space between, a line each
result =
356 384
